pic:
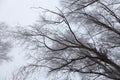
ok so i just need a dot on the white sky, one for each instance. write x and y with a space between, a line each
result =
19 12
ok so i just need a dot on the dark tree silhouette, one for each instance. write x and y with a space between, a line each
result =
84 38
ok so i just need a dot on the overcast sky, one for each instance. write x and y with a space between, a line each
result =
20 12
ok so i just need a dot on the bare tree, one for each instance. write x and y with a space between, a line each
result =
84 39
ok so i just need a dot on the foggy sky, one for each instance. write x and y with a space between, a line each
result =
19 12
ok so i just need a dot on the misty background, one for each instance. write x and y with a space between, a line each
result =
20 13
